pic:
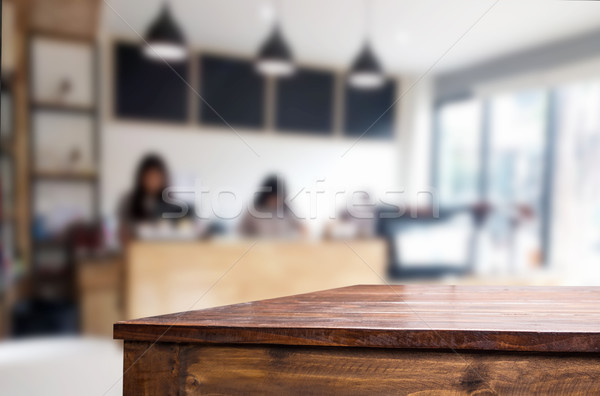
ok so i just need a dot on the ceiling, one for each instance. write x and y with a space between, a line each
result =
408 35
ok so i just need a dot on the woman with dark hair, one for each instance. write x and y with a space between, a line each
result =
145 203
270 216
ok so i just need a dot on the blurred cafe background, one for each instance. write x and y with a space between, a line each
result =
142 141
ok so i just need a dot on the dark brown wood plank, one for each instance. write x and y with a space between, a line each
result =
543 319
315 371
150 370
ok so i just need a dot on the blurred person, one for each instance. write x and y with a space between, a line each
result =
145 204
271 216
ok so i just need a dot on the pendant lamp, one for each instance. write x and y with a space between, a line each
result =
366 71
274 56
165 39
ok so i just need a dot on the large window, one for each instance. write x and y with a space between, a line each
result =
576 226
515 180
533 156
459 152
495 150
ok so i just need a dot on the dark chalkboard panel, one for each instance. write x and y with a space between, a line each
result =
364 106
234 90
149 89
305 102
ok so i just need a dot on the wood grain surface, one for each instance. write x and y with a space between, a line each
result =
537 319
190 369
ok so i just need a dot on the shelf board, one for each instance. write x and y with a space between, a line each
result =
65 175
62 107
53 34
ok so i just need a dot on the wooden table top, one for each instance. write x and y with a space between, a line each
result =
542 319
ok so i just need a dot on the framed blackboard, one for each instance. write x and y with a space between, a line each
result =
305 102
149 89
233 89
363 107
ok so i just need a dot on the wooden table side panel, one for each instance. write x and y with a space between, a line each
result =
220 369
151 369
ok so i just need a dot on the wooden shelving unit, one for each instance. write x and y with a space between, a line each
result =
77 21
52 266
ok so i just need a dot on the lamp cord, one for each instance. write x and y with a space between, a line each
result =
368 21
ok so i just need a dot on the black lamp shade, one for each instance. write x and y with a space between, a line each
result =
165 39
275 57
366 72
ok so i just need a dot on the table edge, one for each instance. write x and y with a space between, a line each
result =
485 340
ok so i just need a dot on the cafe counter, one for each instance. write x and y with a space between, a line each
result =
165 277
